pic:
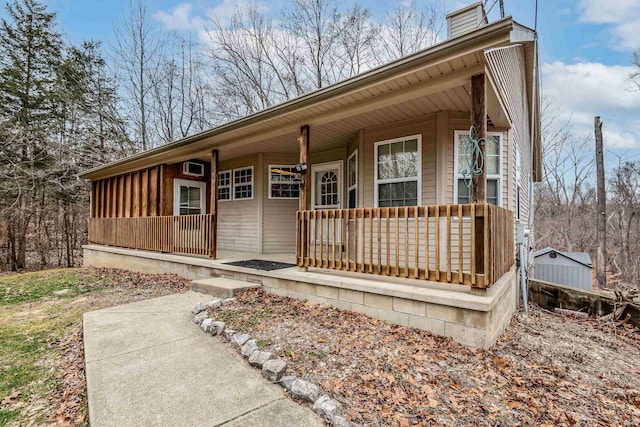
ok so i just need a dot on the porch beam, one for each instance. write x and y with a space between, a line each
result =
304 202
305 192
213 253
479 122
479 182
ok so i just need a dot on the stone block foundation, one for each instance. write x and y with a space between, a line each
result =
447 310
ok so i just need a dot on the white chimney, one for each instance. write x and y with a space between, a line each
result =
465 20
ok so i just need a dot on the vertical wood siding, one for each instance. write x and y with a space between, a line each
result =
134 194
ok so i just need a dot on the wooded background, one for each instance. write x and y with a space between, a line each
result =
65 108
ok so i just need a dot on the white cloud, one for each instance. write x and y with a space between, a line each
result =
179 18
622 15
588 89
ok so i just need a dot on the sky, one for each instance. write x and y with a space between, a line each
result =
586 50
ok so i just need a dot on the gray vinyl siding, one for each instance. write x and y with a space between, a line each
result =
238 219
278 215
563 271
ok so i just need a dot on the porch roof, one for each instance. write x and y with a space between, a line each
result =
436 78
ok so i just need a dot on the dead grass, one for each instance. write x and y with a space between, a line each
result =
545 370
41 353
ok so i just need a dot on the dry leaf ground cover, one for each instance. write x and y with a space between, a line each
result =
545 370
41 354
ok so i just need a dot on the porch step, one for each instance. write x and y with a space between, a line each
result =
221 286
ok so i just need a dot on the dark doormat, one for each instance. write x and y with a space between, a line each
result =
260 264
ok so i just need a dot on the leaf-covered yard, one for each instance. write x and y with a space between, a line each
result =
41 353
545 370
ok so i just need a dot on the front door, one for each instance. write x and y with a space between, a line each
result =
326 185
326 193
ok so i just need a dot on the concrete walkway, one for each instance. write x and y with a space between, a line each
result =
148 364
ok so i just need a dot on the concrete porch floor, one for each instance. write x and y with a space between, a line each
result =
443 309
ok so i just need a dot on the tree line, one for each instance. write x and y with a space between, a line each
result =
66 107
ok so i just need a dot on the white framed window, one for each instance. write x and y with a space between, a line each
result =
192 169
282 184
492 164
189 197
243 183
352 180
224 186
398 176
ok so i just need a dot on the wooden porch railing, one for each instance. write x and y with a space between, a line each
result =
188 234
470 244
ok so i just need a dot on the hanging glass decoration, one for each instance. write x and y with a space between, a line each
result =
473 160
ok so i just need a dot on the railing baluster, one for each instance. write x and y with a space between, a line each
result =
406 241
388 240
449 243
426 242
397 241
437 221
460 246
416 239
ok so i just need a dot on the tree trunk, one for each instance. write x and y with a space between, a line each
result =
601 253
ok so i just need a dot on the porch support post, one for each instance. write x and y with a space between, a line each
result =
305 192
213 253
479 182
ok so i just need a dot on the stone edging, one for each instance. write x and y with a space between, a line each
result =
273 369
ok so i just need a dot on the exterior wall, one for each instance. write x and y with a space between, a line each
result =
476 321
239 221
134 194
278 215
563 271
426 126
465 20
174 171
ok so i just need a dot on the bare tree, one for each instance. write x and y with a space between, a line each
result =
357 42
245 74
179 92
624 225
317 24
136 50
565 210
408 28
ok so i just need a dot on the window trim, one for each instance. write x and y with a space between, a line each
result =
233 183
377 181
180 182
498 176
320 167
355 184
271 197
230 172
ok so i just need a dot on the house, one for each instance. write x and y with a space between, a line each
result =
361 185
565 268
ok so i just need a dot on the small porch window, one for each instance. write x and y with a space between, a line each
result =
224 186
243 183
189 197
352 180
492 164
398 171
282 184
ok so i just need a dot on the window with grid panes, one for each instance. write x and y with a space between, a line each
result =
243 183
398 166
283 185
492 163
224 185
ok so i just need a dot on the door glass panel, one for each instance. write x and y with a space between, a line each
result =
326 188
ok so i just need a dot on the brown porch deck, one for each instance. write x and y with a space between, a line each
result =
471 244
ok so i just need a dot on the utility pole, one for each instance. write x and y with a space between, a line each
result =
601 254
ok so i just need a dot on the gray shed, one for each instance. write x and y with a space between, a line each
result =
565 268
